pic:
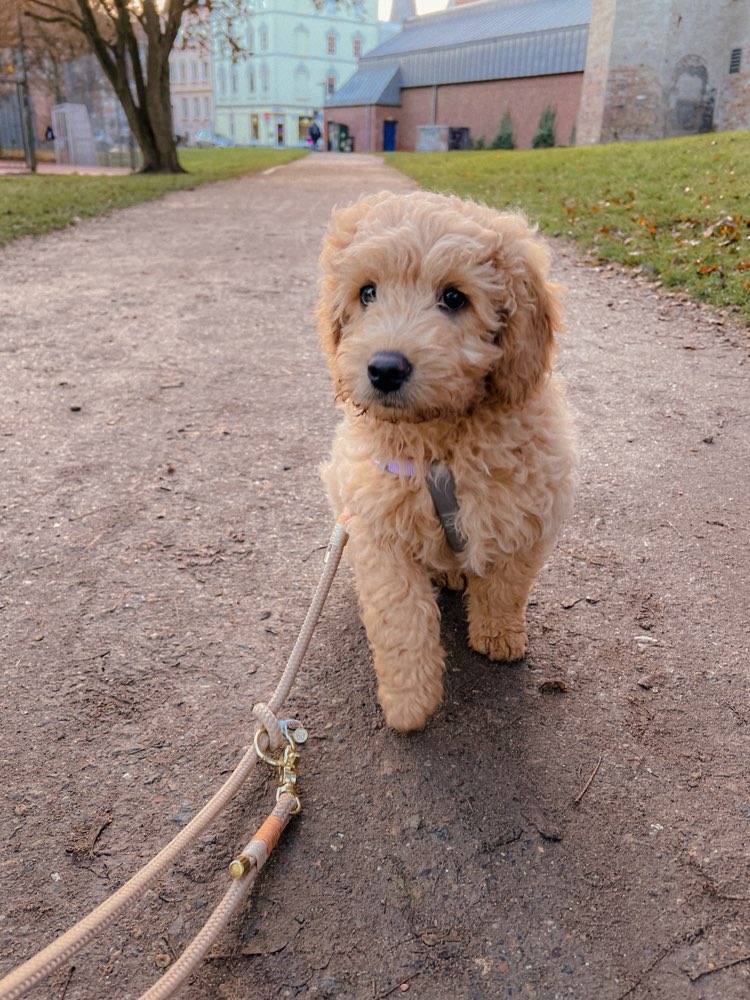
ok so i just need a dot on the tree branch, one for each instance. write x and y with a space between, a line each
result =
60 19
63 15
129 44
103 49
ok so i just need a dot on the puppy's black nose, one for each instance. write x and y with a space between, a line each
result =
388 370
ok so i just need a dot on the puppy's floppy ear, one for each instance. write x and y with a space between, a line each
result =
530 313
342 230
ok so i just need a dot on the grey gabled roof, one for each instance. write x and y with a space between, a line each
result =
481 22
488 40
379 84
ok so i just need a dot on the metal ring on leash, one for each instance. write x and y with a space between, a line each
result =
273 761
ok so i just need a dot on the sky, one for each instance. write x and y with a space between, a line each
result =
423 7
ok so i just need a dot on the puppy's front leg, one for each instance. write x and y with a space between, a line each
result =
497 605
402 620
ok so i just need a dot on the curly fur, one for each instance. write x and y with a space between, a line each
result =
481 398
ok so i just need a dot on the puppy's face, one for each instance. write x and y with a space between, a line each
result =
431 305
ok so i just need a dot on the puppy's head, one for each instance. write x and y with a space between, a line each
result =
431 305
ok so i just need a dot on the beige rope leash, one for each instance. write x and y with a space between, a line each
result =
268 733
244 871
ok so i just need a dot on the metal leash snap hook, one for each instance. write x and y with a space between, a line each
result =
286 764
287 784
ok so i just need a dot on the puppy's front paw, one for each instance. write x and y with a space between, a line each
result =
497 643
408 712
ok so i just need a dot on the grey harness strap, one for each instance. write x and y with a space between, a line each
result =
442 489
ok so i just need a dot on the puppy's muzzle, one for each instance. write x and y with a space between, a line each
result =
388 371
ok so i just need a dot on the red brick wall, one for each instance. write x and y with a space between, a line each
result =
416 109
477 106
356 119
365 124
480 106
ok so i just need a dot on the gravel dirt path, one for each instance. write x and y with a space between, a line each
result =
573 826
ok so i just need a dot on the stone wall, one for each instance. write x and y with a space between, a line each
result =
594 88
660 68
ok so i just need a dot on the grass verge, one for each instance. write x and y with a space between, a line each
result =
677 209
32 205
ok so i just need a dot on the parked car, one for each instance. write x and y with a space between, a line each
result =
205 139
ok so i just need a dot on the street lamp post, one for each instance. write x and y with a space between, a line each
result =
23 93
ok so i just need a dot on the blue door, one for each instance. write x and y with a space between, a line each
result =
389 137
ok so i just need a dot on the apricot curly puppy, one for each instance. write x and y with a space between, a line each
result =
455 455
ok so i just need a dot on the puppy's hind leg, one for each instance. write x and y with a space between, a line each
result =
402 620
497 605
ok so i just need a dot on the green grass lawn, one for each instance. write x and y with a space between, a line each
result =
31 205
678 209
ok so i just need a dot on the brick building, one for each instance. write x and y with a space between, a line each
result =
612 69
464 68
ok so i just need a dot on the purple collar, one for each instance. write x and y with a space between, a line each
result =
397 468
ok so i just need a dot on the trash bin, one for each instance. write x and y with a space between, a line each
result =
459 138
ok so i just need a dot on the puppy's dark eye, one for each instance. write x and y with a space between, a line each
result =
451 299
367 294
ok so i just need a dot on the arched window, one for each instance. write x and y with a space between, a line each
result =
265 79
301 40
357 46
302 83
250 79
263 37
331 43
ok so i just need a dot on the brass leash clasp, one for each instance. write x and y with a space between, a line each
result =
286 764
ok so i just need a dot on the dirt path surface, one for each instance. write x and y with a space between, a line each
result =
573 826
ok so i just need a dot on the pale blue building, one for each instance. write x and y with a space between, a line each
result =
297 56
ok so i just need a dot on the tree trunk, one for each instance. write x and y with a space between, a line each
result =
159 107
155 92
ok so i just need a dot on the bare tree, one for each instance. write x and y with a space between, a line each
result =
132 40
